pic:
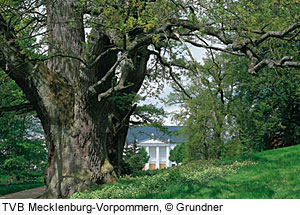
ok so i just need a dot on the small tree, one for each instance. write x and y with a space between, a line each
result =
207 108
177 154
135 158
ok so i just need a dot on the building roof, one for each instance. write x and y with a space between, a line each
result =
165 133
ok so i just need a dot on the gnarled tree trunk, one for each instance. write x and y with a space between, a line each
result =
81 105
85 135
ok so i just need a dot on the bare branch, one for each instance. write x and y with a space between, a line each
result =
206 46
93 89
190 54
205 28
34 19
103 54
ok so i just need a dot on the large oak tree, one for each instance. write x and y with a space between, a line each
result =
80 64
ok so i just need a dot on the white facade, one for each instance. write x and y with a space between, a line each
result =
159 153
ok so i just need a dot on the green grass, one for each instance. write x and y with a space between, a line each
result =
7 189
269 174
276 175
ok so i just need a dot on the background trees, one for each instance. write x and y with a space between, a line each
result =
178 153
233 112
269 115
23 153
208 112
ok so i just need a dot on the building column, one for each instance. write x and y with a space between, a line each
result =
171 148
157 158
148 153
167 156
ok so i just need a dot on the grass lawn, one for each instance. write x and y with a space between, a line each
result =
269 174
276 175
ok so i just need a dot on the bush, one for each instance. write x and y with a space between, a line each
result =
135 159
177 154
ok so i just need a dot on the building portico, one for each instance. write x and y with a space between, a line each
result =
159 152
158 142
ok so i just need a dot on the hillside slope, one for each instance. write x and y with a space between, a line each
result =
269 174
275 175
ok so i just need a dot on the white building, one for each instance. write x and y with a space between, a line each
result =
157 144
159 153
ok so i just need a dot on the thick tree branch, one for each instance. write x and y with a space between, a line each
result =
42 86
276 34
22 108
117 88
102 55
243 46
11 61
133 73
95 88
173 22
283 62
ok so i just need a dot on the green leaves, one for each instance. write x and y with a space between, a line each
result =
270 114
22 149
177 154
135 158
207 116
161 182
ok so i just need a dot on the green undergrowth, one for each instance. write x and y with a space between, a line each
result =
7 189
269 174
148 186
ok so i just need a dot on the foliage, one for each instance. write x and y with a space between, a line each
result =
270 174
22 147
135 158
148 186
233 112
177 154
270 114
207 113
148 114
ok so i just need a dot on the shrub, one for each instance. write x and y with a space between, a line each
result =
177 154
135 159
